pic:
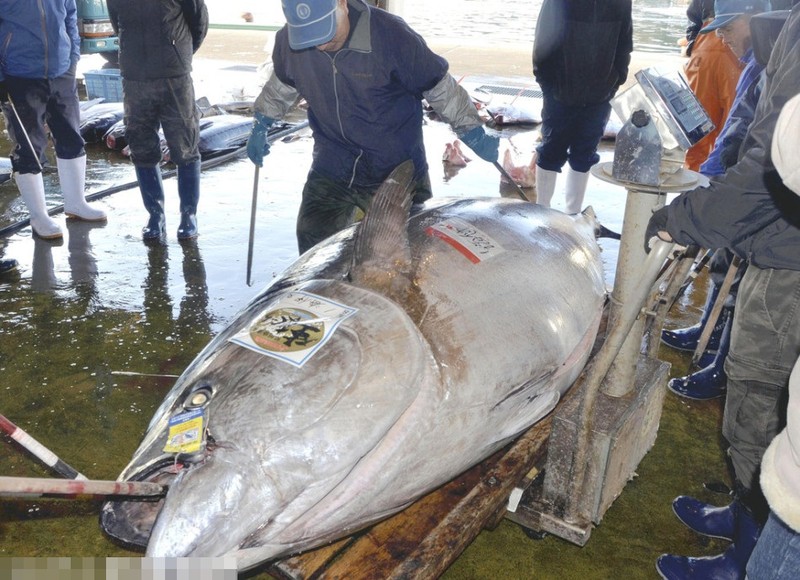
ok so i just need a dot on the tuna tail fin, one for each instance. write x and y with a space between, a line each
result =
381 254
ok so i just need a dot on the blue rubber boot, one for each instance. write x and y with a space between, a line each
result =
709 382
730 565
705 519
189 192
153 197
8 265
687 338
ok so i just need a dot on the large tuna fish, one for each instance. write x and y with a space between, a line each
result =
386 361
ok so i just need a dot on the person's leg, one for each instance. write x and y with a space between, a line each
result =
777 553
765 343
327 207
181 122
551 154
63 118
30 140
142 110
587 130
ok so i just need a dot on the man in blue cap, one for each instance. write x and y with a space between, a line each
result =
363 73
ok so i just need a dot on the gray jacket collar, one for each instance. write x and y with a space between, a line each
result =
360 38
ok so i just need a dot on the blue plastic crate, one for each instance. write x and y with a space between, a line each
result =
106 83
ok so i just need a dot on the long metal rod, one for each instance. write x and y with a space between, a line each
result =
716 309
505 174
38 450
251 240
24 132
37 486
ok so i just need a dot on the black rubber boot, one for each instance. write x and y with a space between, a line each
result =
189 192
153 197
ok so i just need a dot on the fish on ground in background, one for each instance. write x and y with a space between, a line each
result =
523 175
454 156
388 359
511 114
97 117
5 169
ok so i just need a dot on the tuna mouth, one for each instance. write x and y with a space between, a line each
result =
130 523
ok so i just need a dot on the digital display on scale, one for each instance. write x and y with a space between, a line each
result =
679 108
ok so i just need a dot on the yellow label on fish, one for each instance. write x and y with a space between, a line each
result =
185 433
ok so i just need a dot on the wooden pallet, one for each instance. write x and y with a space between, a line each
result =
423 540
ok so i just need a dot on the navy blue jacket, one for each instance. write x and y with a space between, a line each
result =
364 101
38 38
582 49
748 209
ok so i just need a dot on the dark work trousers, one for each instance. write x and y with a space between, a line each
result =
329 206
40 101
570 133
765 344
166 102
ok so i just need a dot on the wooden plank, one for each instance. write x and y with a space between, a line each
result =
424 539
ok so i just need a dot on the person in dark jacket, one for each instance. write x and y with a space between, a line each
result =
363 73
734 30
157 39
581 53
750 211
39 52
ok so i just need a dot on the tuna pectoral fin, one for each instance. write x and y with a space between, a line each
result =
381 245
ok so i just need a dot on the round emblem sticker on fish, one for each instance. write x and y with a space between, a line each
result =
294 327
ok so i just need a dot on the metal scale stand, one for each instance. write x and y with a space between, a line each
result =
610 418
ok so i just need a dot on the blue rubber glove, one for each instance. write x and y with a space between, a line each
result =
486 146
257 144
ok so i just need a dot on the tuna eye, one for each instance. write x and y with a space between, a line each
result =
198 398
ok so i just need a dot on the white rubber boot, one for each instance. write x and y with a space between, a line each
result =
545 186
575 190
31 187
72 176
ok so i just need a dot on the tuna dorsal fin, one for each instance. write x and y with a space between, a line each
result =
381 256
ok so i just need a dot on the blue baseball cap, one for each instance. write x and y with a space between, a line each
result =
310 22
726 11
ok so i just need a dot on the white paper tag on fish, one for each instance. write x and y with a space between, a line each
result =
474 244
185 434
294 327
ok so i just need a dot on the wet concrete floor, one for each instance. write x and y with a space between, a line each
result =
92 329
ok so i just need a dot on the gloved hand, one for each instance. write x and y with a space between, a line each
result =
257 144
3 92
485 145
657 223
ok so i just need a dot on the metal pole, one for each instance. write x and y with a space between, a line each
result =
25 132
252 227
505 174
38 450
36 486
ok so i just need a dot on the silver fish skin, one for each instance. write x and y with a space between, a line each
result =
499 312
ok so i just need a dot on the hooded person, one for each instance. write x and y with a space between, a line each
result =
745 210
777 553
363 73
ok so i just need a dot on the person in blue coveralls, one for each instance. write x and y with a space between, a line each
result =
363 73
39 52
752 212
